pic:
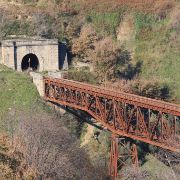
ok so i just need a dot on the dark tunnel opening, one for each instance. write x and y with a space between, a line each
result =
30 62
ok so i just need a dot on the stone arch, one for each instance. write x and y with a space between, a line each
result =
30 62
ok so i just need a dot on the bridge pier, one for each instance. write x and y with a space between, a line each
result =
118 159
113 166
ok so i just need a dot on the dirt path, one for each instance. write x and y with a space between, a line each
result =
88 135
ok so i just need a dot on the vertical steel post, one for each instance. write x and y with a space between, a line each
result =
174 127
135 161
113 167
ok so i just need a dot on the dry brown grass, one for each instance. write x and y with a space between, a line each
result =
12 163
109 5
48 147
42 147
69 6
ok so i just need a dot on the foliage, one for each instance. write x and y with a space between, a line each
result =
98 149
29 1
58 1
112 61
6 172
168 158
106 22
74 124
12 165
18 28
156 169
144 24
83 46
105 58
50 148
83 131
82 75
125 69
130 172
38 134
40 25
43 24
16 90
156 47
153 89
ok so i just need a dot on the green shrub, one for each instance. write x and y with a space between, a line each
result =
58 1
82 75
112 62
157 49
29 1
144 24
18 28
143 20
75 125
106 23
153 89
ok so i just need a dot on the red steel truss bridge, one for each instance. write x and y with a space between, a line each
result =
127 115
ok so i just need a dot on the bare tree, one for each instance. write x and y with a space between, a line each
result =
49 148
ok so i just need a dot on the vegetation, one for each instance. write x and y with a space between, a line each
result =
153 47
153 89
37 141
16 90
105 23
82 75
145 62
153 52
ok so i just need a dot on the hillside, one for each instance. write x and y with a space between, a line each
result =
131 46
35 142
142 55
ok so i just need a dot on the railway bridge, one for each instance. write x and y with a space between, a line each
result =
148 120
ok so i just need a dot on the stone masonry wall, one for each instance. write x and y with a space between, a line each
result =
45 50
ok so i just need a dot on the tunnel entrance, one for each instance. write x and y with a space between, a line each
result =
30 62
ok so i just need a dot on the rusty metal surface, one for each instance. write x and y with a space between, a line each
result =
121 153
113 165
148 120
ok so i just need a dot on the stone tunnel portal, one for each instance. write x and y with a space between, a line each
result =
30 62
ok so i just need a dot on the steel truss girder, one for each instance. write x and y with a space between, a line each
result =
148 120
